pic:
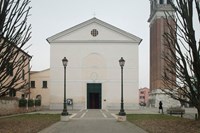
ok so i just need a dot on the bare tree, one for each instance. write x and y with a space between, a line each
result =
182 57
14 34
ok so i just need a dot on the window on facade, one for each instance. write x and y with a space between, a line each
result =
22 96
141 92
151 7
23 74
44 84
9 69
142 97
161 1
12 92
94 32
168 1
23 58
32 84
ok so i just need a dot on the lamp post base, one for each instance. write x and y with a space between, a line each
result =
121 118
65 113
64 117
122 113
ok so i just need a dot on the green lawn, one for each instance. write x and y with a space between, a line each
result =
28 123
158 123
152 123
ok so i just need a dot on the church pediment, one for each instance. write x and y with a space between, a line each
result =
93 30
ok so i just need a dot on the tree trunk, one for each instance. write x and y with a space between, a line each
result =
198 114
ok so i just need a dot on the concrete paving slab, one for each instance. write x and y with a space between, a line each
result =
93 126
93 121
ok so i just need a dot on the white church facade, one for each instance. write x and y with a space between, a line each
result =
93 74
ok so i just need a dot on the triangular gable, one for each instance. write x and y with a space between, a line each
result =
83 33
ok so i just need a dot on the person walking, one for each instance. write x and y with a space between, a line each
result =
160 107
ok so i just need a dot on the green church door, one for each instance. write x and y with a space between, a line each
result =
94 96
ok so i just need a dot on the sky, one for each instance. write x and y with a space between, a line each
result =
49 17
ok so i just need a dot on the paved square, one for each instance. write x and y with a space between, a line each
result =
93 121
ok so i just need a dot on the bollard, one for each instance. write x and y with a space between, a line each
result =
181 114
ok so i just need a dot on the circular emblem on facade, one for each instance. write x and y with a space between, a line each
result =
94 32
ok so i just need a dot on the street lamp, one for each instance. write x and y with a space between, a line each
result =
64 113
121 63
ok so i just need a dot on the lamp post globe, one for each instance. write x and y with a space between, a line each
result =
64 61
122 62
64 113
122 112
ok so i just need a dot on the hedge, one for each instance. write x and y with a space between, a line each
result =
23 103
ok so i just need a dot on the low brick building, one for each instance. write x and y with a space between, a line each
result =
143 96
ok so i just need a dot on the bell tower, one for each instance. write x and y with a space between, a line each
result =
158 26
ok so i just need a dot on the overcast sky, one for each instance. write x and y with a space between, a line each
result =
49 17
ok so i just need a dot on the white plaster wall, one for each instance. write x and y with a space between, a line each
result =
94 63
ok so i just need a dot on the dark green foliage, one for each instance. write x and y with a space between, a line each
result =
37 102
22 103
31 102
